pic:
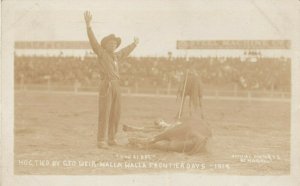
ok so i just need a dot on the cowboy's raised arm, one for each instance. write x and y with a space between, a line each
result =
124 52
93 41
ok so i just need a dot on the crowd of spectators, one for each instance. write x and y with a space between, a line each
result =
216 72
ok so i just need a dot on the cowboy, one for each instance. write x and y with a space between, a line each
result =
109 90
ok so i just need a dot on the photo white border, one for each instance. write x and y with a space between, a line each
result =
7 124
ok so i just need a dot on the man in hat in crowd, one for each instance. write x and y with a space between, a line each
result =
109 90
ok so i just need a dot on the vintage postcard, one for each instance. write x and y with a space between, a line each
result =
150 92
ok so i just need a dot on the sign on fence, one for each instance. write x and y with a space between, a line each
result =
233 44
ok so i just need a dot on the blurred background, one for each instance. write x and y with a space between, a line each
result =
156 66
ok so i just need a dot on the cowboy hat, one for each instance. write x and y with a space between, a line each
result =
111 37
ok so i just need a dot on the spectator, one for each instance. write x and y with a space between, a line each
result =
265 74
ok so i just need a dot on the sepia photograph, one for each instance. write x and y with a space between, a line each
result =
130 89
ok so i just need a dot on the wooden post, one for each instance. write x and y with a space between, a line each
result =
136 87
235 90
272 90
169 88
249 96
76 86
48 84
183 95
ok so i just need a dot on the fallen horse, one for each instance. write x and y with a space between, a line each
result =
188 137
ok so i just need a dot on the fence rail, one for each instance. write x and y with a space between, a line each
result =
216 93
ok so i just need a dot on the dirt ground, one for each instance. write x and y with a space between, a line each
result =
55 134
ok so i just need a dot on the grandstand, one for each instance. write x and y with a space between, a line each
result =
151 74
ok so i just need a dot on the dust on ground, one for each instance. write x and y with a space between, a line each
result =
62 128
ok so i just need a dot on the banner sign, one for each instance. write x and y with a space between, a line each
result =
233 44
52 45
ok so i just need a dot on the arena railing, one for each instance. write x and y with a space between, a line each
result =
210 93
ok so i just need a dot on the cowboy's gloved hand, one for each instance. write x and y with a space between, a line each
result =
136 40
88 18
